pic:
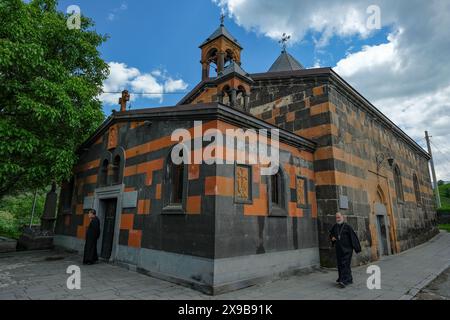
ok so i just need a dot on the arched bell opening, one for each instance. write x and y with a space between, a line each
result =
210 64
242 98
229 57
226 96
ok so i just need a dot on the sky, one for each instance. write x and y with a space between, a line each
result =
402 66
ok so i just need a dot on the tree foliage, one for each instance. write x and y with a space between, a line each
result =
50 78
16 211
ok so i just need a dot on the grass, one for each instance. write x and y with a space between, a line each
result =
445 227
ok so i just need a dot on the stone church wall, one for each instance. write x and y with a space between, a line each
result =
218 243
347 176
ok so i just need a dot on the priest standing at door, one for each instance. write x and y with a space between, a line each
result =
345 240
92 235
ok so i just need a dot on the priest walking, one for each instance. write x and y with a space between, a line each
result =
345 240
92 235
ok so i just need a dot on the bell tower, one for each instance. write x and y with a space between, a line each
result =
230 85
219 50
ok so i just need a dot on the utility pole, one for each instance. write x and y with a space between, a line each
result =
433 172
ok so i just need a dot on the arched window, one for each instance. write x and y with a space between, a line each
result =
175 185
276 194
116 170
104 173
417 189
398 184
177 173
275 182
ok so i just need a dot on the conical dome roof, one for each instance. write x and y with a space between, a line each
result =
221 31
285 62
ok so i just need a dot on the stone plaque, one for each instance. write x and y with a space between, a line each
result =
112 137
301 192
88 203
343 202
129 199
242 183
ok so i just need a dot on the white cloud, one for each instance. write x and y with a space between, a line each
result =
273 18
407 77
114 12
146 83
153 84
172 85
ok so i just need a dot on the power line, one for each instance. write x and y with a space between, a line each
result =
443 155
444 163
439 149
447 160
439 145
148 93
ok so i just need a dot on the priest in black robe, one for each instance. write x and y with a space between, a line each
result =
345 240
92 235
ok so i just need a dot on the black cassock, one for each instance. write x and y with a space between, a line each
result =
346 242
90 247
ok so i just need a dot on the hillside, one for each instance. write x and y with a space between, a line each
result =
444 191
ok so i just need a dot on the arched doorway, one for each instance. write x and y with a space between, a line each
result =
383 224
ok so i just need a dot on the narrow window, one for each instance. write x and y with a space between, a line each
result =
177 183
104 173
417 189
174 183
275 188
277 200
398 184
116 170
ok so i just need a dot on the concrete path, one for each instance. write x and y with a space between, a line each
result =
42 275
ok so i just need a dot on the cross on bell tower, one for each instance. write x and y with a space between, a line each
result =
284 39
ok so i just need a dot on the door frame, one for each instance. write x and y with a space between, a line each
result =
103 208
106 193
387 226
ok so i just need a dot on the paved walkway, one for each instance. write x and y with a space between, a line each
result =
42 275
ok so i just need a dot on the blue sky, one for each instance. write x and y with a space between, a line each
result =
402 67
164 35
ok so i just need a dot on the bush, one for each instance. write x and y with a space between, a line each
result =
444 191
15 212
443 210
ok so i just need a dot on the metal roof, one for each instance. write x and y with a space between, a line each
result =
234 67
221 31
285 62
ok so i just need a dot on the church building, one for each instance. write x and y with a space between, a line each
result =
224 226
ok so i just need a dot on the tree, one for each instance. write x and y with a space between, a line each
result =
50 78
441 183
